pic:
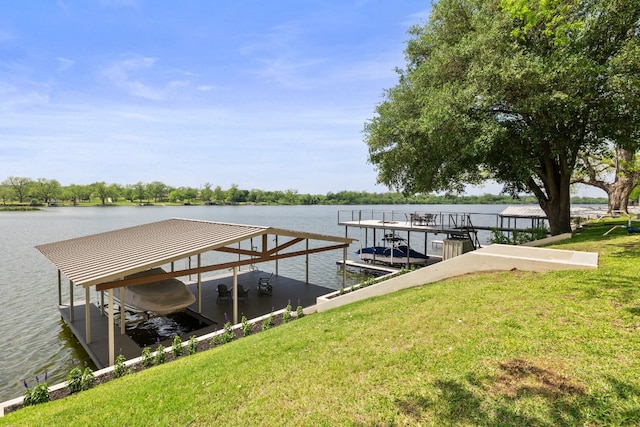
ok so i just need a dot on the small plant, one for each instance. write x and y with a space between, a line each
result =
499 237
88 379
286 316
39 394
228 334
176 347
147 360
215 340
193 345
246 327
370 281
160 357
74 380
519 237
268 322
120 369
299 312
224 337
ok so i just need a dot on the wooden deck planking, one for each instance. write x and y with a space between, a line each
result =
285 291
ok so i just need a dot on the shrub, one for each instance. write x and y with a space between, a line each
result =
147 360
299 312
39 394
88 379
120 369
160 357
267 323
176 347
193 345
224 337
246 327
370 281
74 380
286 316
519 237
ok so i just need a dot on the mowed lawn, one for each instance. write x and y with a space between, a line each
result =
509 348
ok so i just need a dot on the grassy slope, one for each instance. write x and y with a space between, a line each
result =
512 348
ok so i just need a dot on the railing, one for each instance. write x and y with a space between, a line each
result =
430 222
436 220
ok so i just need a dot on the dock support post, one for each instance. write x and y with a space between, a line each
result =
111 329
71 308
277 254
123 312
59 288
235 295
199 285
307 262
87 314
344 269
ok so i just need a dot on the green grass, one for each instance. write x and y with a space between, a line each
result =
511 348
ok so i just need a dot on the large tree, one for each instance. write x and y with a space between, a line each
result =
511 90
614 170
19 185
46 189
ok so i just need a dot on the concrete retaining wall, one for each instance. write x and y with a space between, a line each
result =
489 258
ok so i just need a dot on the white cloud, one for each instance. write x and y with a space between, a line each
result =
119 74
64 64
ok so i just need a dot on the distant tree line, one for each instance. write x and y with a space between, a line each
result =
42 191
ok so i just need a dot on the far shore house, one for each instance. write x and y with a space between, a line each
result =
132 259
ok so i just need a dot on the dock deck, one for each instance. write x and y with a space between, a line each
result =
285 291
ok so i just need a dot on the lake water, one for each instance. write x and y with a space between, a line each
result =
36 340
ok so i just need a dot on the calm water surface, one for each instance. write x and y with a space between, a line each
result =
36 340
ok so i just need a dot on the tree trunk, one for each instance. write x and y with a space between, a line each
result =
624 181
619 195
625 174
558 212
554 196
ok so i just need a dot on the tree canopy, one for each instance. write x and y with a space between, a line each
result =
512 90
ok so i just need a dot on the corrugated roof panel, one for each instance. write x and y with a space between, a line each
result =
110 255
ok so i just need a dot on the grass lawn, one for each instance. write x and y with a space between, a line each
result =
510 348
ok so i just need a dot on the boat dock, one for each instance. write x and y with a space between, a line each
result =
374 268
380 268
285 291
409 228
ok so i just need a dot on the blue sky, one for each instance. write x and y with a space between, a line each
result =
270 95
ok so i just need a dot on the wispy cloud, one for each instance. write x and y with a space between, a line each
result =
121 74
283 57
65 63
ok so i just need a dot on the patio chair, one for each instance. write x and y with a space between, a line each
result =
264 285
243 293
223 293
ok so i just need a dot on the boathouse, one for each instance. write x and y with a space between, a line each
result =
135 256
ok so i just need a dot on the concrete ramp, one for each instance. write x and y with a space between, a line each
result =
490 258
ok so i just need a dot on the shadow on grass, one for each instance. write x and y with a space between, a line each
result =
614 278
522 394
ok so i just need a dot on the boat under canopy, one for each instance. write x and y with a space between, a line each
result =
396 252
160 298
